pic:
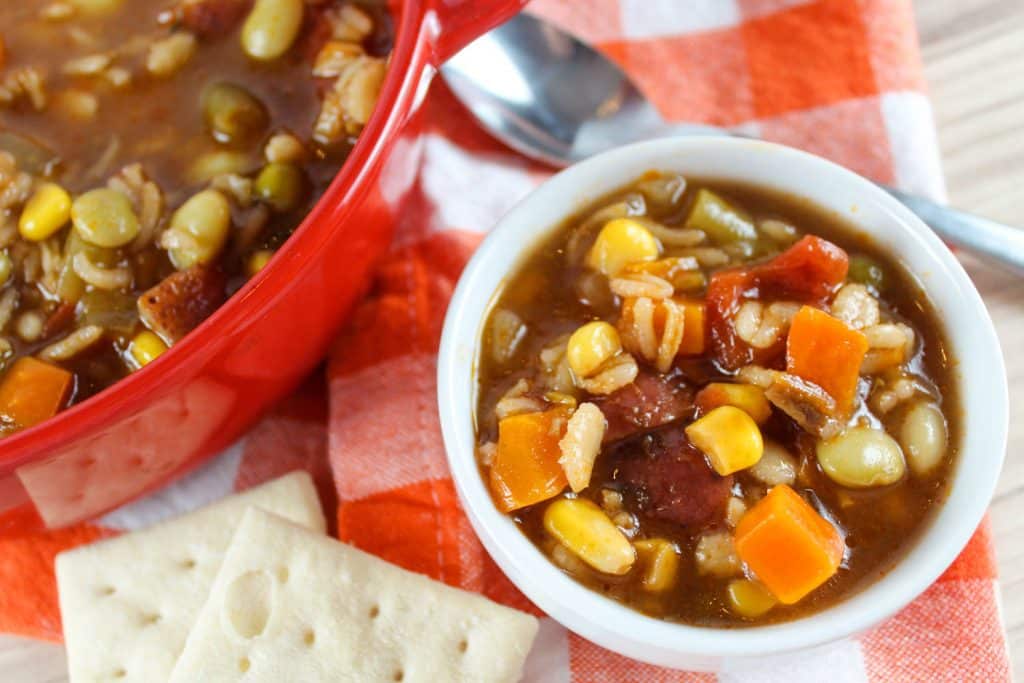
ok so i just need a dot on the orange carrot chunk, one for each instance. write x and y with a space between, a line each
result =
824 350
789 547
33 391
694 330
525 468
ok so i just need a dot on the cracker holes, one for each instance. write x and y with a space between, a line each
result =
151 619
309 637
282 574
375 611
249 603
106 591
135 461
399 675
463 645
188 563
244 664
119 673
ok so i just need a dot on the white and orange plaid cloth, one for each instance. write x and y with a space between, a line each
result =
841 78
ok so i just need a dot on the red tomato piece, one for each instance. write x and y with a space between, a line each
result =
808 272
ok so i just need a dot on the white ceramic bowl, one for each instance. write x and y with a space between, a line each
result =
979 373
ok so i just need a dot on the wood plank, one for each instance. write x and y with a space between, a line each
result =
974 56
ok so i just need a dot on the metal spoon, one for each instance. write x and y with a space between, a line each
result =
553 98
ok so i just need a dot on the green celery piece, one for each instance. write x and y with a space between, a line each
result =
867 271
115 311
720 220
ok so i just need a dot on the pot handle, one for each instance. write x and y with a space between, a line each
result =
457 23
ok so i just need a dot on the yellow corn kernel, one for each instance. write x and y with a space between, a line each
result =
746 397
258 260
591 346
587 532
749 599
46 212
146 347
621 242
660 560
729 438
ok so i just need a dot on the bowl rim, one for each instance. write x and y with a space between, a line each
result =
619 628
123 398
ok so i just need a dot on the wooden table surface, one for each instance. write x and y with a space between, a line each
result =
974 60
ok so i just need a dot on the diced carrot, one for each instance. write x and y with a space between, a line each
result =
789 547
32 391
525 468
824 350
694 327
694 339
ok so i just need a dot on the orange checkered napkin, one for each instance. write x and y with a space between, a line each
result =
841 78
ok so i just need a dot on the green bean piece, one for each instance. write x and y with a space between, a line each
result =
689 281
70 287
232 113
111 310
282 186
720 220
867 271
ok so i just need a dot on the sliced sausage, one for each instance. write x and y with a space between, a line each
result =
665 477
182 300
650 401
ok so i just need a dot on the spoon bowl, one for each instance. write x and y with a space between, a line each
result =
553 98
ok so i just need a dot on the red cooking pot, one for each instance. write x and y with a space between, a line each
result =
200 396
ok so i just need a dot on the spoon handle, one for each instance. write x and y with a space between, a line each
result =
999 243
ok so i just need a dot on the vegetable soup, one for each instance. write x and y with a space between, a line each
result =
715 404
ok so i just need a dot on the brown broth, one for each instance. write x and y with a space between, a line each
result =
880 524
